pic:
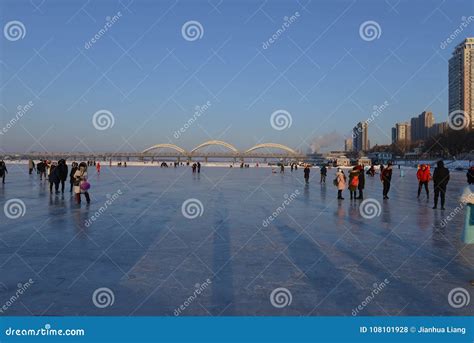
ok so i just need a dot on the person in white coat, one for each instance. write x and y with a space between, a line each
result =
80 176
340 183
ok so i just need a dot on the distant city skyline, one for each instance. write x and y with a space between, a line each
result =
297 73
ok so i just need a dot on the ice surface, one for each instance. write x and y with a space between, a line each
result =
152 257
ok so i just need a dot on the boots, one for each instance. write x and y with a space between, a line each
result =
88 199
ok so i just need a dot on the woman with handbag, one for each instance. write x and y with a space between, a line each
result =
81 186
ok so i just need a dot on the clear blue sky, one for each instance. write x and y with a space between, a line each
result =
150 78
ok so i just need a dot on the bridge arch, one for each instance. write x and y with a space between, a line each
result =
216 142
169 146
272 145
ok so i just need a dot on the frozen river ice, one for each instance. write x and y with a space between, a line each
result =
153 259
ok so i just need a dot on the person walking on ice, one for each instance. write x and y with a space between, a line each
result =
324 173
3 171
386 178
424 177
340 183
80 183
440 181
353 182
306 172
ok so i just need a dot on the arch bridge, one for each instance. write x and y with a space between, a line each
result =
263 150
167 150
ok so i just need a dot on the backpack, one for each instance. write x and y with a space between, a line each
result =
355 181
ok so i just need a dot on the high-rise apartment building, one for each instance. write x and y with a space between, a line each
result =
348 144
401 133
461 80
360 137
420 127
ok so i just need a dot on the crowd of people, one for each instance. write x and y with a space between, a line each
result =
57 173
355 181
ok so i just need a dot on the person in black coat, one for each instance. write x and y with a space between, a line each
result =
71 174
62 170
306 171
324 173
53 178
361 185
440 181
386 178
41 168
3 170
470 176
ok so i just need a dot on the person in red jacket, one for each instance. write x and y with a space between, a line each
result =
424 177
